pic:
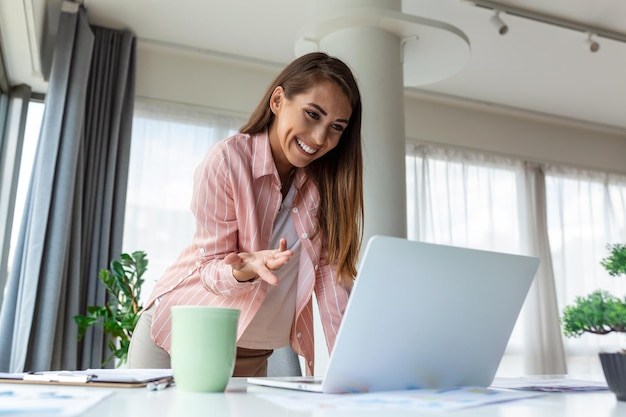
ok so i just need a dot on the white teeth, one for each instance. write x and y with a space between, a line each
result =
307 149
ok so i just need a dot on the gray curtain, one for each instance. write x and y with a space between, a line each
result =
74 212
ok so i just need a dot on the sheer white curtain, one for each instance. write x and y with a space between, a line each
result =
586 211
168 142
470 199
565 216
462 198
543 350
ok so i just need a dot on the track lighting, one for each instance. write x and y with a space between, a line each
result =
502 27
503 7
590 44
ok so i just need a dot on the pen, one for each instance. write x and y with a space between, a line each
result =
159 385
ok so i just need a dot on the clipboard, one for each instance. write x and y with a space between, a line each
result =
111 378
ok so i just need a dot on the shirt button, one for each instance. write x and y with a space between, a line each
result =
197 264
201 251
305 236
299 335
316 267
190 272
295 209
311 363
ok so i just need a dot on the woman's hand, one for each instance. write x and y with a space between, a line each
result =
249 265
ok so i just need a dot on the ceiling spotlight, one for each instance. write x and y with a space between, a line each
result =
502 27
591 44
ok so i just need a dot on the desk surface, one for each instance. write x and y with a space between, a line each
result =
241 400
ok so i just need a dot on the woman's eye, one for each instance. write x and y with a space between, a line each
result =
338 128
313 114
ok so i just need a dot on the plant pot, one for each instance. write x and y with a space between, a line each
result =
614 367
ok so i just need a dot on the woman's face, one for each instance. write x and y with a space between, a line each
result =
308 125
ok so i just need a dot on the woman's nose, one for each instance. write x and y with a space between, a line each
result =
319 135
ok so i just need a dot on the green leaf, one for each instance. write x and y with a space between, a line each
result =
118 317
598 313
97 311
615 263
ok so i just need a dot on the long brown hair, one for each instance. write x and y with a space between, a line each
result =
339 173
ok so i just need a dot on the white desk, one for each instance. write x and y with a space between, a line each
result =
241 400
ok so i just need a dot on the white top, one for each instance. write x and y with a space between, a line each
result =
271 327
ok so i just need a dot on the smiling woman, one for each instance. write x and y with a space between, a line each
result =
278 210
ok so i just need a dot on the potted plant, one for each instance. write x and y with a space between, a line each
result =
602 313
118 317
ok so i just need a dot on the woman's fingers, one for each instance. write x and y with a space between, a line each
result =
260 264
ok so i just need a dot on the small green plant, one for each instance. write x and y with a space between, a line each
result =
599 312
118 317
615 263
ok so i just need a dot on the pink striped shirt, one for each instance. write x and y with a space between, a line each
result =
235 201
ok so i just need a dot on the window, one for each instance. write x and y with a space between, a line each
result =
586 211
34 118
462 199
168 142
473 200
470 200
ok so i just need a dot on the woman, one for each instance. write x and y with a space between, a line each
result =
279 214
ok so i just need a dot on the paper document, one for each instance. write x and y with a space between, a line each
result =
550 384
40 401
411 400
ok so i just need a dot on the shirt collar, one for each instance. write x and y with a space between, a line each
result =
263 161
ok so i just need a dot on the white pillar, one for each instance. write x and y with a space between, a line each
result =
374 55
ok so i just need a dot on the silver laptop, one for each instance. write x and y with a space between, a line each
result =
423 315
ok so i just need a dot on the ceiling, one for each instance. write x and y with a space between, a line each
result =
536 67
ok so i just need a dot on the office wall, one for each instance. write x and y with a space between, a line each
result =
192 78
236 87
520 134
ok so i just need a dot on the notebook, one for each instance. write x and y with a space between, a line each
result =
422 315
115 378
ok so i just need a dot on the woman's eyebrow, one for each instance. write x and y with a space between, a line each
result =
321 110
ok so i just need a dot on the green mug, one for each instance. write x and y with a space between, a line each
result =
204 347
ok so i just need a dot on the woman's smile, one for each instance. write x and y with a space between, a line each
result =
305 148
